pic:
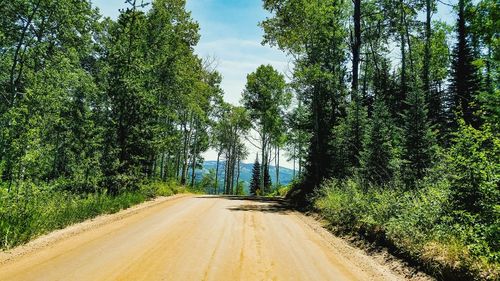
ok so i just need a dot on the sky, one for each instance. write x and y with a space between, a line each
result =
230 34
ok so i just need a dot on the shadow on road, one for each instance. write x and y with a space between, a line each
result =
263 204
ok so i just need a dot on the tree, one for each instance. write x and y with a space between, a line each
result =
265 97
229 130
473 170
347 141
377 158
255 181
356 46
89 104
418 139
314 32
427 53
297 137
268 185
46 94
465 83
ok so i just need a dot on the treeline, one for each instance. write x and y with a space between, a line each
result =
92 104
400 117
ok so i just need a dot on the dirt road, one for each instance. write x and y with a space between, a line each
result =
194 238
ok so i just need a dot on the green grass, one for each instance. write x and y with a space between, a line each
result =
33 211
415 224
281 191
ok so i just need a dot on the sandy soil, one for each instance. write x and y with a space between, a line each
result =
194 238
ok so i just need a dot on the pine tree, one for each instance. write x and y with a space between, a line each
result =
378 155
356 127
465 83
418 138
347 141
255 182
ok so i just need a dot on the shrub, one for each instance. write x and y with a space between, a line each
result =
419 224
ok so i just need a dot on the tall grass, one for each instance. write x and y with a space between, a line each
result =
31 210
415 224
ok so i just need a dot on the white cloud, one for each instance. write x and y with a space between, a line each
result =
237 58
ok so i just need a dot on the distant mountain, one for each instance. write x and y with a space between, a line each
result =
286 175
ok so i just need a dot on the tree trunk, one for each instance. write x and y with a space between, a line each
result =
178 164
193 159
238 171
162 166
263 153
402 96
187 139
427 54
278 167
225 177
216 184
233 168
356 45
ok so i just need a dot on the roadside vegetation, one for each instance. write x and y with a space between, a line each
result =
420 226
448 222
400 115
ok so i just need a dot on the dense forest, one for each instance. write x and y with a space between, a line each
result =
400 116
390 116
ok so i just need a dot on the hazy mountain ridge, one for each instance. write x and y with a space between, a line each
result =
286 174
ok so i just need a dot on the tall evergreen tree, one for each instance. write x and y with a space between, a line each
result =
356 121
377 158
255 181
418 138
465 82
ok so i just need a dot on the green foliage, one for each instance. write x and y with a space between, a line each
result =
232 124
91 104
378 157
465 80
206 184
266 98
418 140
347 141
415 223
240 188
255 181
474 166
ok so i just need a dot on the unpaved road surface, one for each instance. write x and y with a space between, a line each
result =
195 238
